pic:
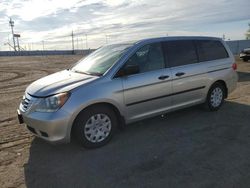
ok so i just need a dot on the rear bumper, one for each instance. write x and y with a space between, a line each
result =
232 83
52 127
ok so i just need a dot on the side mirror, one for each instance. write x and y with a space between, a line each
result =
128 70
131 69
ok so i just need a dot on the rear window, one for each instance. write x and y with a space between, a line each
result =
209 50
180 52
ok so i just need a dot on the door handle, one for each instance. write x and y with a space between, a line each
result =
163 77
179 73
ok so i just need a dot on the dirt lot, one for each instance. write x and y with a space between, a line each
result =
188 148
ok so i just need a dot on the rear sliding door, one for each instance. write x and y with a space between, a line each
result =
189 76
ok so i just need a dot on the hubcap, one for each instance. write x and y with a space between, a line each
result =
97 128
216 97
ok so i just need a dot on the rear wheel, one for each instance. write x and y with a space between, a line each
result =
215 96
95 126
245 59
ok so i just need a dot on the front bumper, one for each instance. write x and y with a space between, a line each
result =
52 127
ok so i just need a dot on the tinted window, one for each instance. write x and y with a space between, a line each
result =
209 50
148 58
180 52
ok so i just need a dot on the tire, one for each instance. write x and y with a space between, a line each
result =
245 59
215 96
95 126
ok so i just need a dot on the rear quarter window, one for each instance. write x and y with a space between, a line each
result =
209 50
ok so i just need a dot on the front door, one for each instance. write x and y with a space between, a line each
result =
147 92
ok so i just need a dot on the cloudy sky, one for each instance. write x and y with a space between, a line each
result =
107 21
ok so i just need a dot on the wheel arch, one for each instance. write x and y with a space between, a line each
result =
222 82
120 117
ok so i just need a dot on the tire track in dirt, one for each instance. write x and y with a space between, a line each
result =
10 125
7 119
13 136
16 142
18 90
20 75
17 76
15 85
16 139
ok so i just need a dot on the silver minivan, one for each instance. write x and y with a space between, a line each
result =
126 82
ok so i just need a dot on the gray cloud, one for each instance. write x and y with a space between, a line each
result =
63 17
131 18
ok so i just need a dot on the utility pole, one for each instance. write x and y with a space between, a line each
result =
86 39
43 44
82 44
77 43
11 23
72 35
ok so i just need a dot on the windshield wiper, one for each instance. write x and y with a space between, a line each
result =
77 71
95 73
87 73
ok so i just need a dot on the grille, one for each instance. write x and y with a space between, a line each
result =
26 102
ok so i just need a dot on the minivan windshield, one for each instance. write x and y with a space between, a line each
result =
98 62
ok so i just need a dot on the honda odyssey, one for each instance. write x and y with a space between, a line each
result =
126 82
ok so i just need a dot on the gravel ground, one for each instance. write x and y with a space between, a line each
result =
187 148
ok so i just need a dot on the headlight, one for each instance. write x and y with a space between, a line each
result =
52 103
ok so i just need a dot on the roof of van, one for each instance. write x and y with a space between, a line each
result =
178 37
158 39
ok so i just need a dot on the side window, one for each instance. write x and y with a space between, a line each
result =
209 50
180 52
148 58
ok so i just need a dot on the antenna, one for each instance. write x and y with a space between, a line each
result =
15 36
11 23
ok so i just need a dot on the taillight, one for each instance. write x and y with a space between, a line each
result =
234 66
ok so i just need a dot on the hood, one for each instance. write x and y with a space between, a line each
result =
58 82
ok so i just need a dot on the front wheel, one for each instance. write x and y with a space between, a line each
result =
95 126
215 96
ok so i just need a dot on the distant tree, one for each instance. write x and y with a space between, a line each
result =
248 33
